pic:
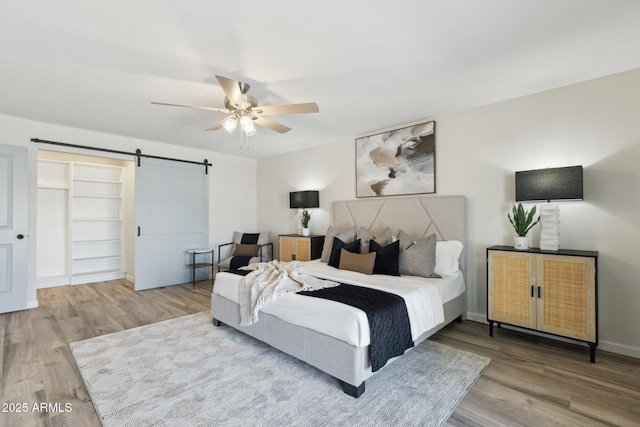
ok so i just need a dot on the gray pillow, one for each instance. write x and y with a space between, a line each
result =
347 237
383 239
419 258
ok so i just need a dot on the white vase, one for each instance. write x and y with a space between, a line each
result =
521 243
306 232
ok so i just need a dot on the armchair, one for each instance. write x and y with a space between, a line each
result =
245 249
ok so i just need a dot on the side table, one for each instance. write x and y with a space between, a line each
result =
205 263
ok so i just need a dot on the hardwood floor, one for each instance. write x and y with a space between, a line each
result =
531 381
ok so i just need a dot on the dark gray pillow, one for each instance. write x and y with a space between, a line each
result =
419 258
383 239
347 237
387 258
336 250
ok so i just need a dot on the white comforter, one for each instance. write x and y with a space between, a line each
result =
346 323
268 281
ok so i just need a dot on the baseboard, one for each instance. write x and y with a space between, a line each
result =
130 278
625 350
32 304
612 347
53 282
477 317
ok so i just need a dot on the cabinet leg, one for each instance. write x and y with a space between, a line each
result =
592 352
490 328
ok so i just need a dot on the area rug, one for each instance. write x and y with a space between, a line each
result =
186 371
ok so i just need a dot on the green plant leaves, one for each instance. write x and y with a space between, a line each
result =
306 217
522 220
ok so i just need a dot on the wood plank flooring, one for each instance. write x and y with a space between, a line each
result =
531 381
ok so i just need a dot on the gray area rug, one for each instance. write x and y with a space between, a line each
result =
185 371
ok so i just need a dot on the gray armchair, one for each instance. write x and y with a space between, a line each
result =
245 249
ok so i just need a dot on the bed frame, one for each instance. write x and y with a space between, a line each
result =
417 216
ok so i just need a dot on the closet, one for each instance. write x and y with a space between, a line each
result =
84 208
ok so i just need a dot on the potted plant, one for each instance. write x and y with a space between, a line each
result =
306 217
522 222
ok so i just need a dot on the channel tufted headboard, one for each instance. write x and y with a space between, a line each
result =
417 216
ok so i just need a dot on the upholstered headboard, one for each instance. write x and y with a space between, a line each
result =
417 216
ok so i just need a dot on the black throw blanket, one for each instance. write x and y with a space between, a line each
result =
390 332
239 261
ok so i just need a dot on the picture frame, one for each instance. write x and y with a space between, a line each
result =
397 162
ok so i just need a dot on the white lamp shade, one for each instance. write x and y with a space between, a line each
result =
247 125
230 124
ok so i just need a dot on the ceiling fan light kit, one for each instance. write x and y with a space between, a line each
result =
230 123
245 111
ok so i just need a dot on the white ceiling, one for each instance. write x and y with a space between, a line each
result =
368 64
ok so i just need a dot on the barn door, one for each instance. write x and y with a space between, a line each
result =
172 209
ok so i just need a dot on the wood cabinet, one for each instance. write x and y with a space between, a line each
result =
553 292
300 248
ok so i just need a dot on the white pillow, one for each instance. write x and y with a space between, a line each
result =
447 256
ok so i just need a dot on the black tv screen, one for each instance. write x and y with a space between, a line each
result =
549 184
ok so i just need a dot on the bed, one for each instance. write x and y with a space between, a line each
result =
335 339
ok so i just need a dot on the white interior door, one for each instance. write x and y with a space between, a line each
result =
13 228
172 210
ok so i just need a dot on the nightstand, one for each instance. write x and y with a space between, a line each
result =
555 292
299 248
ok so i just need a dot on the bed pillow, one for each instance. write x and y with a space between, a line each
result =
384 238
417 258
240 249
252 238
347 237
362 263
447 256
338 245
387 258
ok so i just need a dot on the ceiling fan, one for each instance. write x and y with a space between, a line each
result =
244 109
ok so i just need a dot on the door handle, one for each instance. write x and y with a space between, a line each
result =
20 236
138 231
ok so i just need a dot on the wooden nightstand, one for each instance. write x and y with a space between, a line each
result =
554 292
300 248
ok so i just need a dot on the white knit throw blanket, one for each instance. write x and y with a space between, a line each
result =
268 281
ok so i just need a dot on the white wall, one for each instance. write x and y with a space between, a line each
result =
595 124
232 179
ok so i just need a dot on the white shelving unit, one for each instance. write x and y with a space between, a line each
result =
96 237
86 241
53 223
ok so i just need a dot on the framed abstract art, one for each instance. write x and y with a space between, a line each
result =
401 161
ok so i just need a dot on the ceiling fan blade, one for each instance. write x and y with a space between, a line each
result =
309 107
217 125
268 123
231 89
221 110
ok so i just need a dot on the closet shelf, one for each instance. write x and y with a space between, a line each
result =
92 242
52 187
100 196
108 181
97 258
94 273
96 219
